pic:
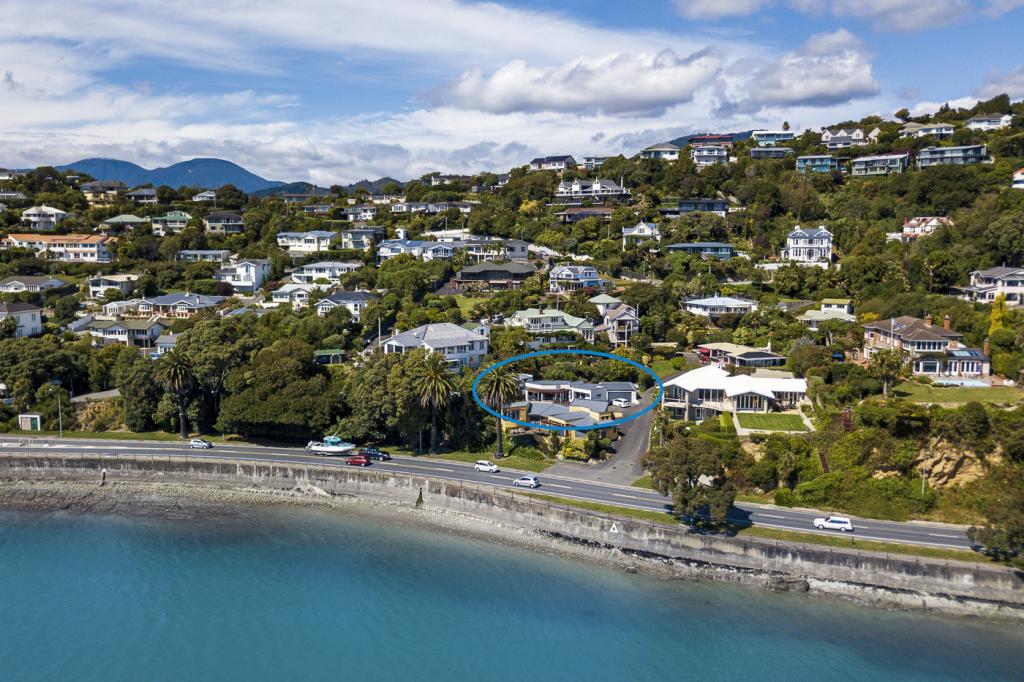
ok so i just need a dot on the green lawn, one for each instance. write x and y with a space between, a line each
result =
644 482
922 393
772 422
467 303
665 368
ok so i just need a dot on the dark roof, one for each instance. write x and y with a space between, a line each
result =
551 159
487 266
914 329
226 215
350 297
18 307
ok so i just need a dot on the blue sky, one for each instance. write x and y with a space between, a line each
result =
338 90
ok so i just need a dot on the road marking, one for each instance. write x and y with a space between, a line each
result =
940 535
426 466
555 485
635 497
772 516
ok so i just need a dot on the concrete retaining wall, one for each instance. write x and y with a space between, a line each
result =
904 580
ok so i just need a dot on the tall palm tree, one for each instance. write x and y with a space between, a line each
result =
497 387
434 385
174 371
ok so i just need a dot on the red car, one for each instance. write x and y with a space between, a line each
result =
358 461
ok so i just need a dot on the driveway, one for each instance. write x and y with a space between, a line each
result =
624 466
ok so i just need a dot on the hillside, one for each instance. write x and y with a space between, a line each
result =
208 173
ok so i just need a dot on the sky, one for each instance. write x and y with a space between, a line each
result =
334 91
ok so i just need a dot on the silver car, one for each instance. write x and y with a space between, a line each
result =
526 482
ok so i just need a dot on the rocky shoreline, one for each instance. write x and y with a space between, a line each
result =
181 499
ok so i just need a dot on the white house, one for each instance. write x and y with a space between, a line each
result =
551 323
305 243
177 305
573 277
1018 179
769 138
331 271
808 246
354 301
844 138
245 275
987 284
665 151
27 317
97 286
620 322
460 346
919 226
831 309
69 248
709 154
142 333
590 189
293 293
940 130
203 197
555 163
640 232
362 238
17 284
715 306
989 122
170 223
42 217
708 391
204 255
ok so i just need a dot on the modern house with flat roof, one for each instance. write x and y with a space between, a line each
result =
704 249
831 309
817 163
953 156
224 222
714 307
245 275
99 285
487 276
709 154
204 255
939 130
881 164
329 271
738 355
771 152
769 138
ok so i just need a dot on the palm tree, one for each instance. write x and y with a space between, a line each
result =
174 371
434 385
497 387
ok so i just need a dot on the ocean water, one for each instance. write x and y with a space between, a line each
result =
310 595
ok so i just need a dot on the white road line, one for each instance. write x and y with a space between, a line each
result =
427 466
940 535
555 485
772 516
635 497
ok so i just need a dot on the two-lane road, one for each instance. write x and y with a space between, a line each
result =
916 533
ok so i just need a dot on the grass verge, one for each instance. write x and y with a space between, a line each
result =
643 482
513 462
771 422
957 395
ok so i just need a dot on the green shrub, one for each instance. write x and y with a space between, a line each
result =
527 453
784 497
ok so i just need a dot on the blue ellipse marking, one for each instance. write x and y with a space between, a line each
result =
548 427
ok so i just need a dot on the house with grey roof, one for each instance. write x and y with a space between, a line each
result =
989 283
144 195
551 326
932 350
178 305
568 278
224 222
488 276
16 284
460 347
353 301
640 232
131 332
664 151
305 243
28 318
328 271
986 122
555 163
808 246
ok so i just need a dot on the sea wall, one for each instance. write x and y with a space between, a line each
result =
950 586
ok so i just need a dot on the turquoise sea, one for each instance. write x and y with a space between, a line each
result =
309 595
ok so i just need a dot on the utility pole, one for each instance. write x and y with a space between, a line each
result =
60 416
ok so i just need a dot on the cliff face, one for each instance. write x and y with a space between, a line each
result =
945 465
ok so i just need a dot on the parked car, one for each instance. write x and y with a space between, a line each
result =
358 461
199 443
526 481
840 523
486 466
374 453
621 402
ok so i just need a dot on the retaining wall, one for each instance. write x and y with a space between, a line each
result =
868 575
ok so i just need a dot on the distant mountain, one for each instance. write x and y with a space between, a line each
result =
371 186
207 173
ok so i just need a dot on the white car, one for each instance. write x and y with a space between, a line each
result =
621 402
486 466
526 481
200 444
840 523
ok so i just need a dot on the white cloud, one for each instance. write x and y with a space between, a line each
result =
1011 83
621 84
903 15
998 8
716 9
927 108
828 69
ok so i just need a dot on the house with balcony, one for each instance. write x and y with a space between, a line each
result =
818 163
844 138
738 355
362 238
353 301
144 195
569 278
102 192
580 417
771 152
808 246
709 154
770 138
987 284
714 307
987 122
840 309
246 275
1018 179
99 285
919 226
177 305
593 162
488 276
574 214
172 222
224 222
953 156
204 255
294 294
299 244
620 322
719 207
552 326
204 197
12 195
324 271
42 218
68 248
595 190
940 131
461 347
881 164
552 163
641 232
317 209
362 213
706 392
704 249
28 318
663 151
17 284
932 350
134 332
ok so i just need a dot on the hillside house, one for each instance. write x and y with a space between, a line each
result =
934 351
69 248
771 138
641 232
663 151
28 318
987 284
553 163
986 122
488 276
299 244
246 275
808 246
568 278
551 325
42 218
324 271
461 347
953 156
172 222
709 391
17 284
881 164
224 222
99 285
353 301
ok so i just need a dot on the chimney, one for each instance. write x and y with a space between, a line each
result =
928 320
947 324
985 347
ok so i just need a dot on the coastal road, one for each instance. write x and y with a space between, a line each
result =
911 532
